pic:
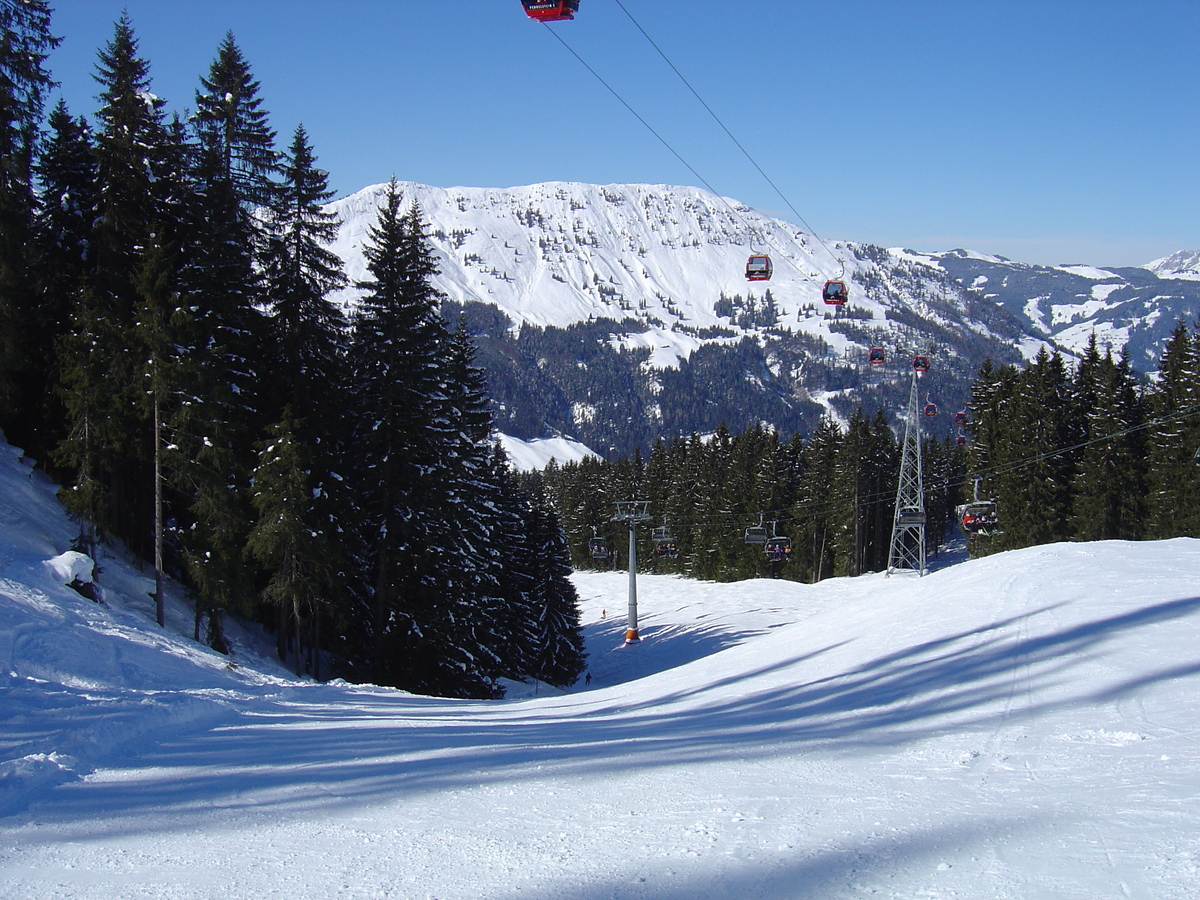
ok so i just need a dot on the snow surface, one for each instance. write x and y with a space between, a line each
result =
1019 726
526 456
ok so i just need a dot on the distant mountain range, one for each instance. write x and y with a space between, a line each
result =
616 314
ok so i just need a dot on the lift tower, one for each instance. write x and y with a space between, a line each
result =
634 512
908 522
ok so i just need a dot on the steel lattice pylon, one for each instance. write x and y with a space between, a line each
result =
908 522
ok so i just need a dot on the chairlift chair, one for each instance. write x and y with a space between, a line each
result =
665 545
756 534
598 548
778 549
979 517
667 549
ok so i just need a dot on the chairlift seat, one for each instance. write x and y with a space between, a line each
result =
756 535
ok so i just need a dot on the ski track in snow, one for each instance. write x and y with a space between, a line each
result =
1020 726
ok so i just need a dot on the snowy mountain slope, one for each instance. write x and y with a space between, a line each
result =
1126 308
664 267
560 253
1184 264
527 456
1020 726
651 278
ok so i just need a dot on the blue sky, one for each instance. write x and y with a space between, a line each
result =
1050 131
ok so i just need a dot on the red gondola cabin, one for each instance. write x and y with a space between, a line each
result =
834 293
931 409
551 10
921 364
877 356
758 268
960 418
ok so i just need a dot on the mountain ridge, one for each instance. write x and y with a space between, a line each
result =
631 292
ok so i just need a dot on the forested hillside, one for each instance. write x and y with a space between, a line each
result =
172 355
1066 452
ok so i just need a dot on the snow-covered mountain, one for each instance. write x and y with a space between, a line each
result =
638 309
664 256
1184 264
1132 308
1017 726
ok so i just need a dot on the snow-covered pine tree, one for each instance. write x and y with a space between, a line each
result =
401 432
219 283
105 368
159 322
308 336
307 331
231 122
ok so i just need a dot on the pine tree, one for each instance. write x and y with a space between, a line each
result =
159 321
234 127
395 362
25 43
1109 482
818 501
107 430
300 274
991 454
558 652
1173 500
1035 475
65 260
285 542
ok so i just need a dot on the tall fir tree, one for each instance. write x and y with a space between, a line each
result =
65 258
818 508
558 653
1173 494
233 125
107 429
395 363
296 554
1108 489
25 44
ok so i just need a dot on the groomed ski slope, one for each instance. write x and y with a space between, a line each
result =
1021 726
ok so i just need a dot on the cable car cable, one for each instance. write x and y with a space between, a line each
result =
737 214
737 143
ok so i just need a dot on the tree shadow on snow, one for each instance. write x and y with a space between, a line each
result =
288 754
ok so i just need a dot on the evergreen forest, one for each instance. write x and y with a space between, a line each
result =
1087 451
169 354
